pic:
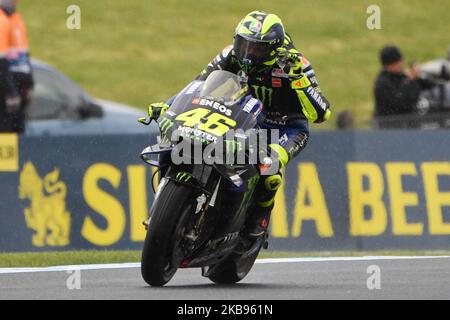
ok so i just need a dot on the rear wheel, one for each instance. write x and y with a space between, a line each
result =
236 267
162 254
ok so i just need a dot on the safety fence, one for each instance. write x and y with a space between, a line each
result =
347 191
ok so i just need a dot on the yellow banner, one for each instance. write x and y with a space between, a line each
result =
9 152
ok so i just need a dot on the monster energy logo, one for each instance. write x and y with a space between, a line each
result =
232 146
250 188
165 125
263 93
232 149
183 176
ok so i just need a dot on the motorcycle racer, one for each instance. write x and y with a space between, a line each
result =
283 79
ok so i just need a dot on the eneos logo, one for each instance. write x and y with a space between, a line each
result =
212 104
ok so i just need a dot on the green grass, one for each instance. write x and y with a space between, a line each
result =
139 51
45 259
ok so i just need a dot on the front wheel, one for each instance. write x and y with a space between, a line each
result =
162 254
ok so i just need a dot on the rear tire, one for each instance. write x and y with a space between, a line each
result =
161 254
235 268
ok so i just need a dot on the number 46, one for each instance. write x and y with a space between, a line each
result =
215 124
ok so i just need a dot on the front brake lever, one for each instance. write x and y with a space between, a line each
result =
144 120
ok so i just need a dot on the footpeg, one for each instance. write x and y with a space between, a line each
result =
204 270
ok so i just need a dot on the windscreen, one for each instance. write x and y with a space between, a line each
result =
222 85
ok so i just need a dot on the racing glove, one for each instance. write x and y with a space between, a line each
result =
290 61
156 110
314 104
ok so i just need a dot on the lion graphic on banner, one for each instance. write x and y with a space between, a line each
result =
47 214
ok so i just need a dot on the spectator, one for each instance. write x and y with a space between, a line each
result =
15 69
397 92
9 100
345 120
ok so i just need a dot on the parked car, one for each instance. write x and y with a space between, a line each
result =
61 107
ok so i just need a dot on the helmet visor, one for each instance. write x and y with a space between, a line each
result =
251 52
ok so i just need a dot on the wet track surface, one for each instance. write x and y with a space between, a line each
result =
427 278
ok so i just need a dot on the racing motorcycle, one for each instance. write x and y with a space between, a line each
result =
200 209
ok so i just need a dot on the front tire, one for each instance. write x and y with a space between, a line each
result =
161 254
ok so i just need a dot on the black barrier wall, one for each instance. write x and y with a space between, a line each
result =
346 191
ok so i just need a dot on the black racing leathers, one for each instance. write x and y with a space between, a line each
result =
7 89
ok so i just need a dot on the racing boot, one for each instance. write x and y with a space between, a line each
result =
256 229
259 224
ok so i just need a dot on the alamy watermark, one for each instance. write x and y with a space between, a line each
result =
73 282
73 21
373 22
374 280
236 147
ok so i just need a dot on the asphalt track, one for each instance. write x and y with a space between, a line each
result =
327 278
